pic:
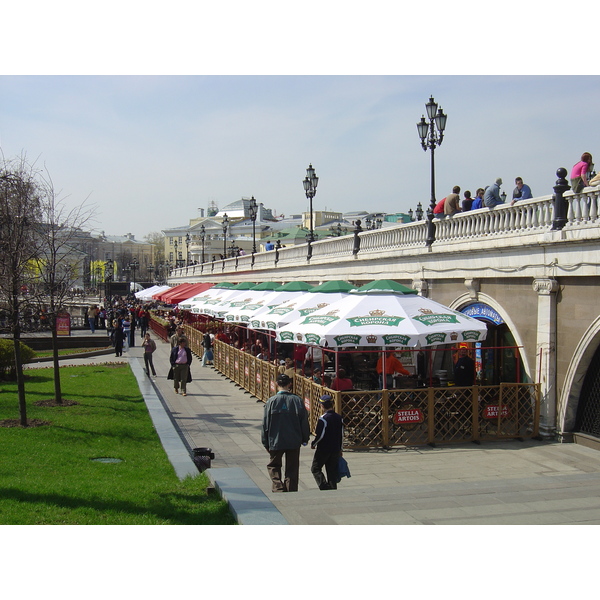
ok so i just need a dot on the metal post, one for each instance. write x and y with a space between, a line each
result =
560 204
357 230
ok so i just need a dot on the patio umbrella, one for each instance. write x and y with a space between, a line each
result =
381 317
317 298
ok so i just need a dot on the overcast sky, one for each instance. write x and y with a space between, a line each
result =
150 150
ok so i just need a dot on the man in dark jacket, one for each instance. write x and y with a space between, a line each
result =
285 428
181 359
328 443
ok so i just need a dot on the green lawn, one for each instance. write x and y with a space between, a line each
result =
48 475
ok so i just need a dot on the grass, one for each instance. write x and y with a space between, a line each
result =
68 351
48 475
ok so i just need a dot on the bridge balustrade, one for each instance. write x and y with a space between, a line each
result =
406 417
526 217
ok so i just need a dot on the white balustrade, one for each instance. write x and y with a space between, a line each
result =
527 217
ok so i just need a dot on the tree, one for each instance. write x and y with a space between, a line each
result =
158 241
58 260
20 212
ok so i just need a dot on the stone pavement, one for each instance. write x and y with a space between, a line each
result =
520 483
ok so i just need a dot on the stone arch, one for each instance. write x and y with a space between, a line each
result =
576 372
465 299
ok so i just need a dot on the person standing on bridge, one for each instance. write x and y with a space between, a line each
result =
579 178
491 196
521 192
478 202
467 202
452 204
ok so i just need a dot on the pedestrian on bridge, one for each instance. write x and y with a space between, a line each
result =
491 196
579 173
521 192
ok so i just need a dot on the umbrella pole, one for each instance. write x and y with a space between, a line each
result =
383 371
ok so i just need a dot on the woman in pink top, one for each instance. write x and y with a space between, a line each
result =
579 172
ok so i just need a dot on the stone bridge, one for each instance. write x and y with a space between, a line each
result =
534 285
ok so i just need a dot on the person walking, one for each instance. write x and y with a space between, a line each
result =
118 336
327 445
181 359
149 346
284 430
92 315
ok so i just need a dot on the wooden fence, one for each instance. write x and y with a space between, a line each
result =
406 417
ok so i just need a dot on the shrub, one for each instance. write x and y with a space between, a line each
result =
7 356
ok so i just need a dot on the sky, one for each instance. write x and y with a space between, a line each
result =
149 147
150 151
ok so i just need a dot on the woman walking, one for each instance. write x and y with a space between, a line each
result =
149 346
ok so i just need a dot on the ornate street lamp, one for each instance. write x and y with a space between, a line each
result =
419 212
133 265
176 254
108 275
430 140
310 188
187 248
150 269
203 238
253 212
225 226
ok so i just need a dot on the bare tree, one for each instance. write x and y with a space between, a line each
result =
59 262
20 212
158 241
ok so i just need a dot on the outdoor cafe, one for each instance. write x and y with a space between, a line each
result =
361 332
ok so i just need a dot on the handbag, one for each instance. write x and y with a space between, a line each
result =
343 470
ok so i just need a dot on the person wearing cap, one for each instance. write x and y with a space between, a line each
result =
284 430
327 445
491 196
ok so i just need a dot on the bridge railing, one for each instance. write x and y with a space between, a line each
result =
399 417
523 218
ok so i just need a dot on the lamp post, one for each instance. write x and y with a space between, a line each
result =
108 275
176 253
310 188
187 248
253 211
419 212
203 238
150 269
133 265
430 140
225 225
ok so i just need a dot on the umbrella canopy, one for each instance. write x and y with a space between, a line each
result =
278 316
245 313
296 286
383 320
270 318
207 305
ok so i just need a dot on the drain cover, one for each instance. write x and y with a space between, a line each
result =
107 460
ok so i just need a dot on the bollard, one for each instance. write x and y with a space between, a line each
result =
560 204
357 230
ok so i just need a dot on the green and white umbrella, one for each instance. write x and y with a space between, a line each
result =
383 315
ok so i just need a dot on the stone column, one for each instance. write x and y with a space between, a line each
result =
546 289
421 286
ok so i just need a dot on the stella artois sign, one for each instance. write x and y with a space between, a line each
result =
408 416
491 411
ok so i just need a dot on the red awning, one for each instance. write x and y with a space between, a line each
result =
164 296
179 295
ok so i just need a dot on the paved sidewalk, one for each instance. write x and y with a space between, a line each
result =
495 483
